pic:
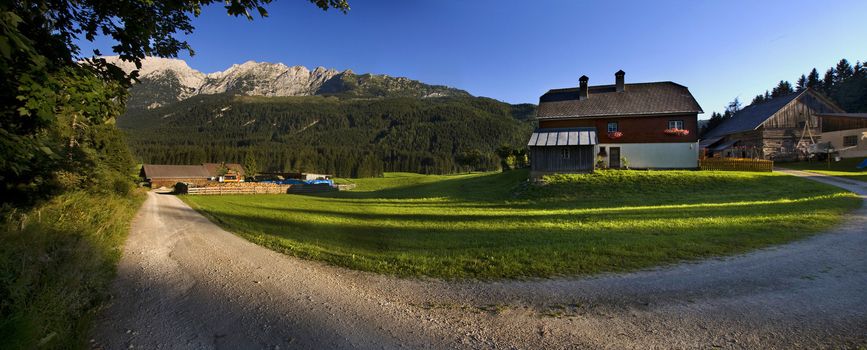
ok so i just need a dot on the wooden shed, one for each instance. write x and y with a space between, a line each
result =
562 150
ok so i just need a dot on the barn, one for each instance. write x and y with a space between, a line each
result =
161 175
779 129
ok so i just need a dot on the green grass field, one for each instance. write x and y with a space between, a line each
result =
844 168
496 225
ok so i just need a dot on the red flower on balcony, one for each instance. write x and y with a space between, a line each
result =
676 132
615 134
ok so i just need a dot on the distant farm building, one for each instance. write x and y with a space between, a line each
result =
645 125
780 129
845 133
161 175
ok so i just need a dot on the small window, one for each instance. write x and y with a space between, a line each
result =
675 124
612 126
850 141
564 153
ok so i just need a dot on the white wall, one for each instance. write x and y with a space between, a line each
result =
656 155
836 139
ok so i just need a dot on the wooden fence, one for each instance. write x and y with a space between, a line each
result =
736 164
236 190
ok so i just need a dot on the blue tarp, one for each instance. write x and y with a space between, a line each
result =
862 165
299 182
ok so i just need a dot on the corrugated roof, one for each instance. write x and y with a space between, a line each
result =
752 116
157 171
637 99
563 137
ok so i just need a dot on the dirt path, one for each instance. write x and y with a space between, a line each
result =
185 283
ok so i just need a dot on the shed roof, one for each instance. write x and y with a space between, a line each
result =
604 100
158 171
707 142
563 137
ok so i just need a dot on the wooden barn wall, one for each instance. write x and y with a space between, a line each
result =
550 158
842 123
803 109
784 131
750 139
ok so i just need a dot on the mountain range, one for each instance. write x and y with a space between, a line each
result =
294 119
163 81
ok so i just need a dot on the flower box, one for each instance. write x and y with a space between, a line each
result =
676 132
615 134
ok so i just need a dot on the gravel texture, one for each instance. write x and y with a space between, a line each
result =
185 283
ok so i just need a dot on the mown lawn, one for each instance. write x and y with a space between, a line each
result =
844 168
496 225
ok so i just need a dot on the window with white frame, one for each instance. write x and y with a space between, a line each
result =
675 124
612 126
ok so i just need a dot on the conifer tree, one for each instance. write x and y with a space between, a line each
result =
813 80
829 81
783 88
844 71
802 83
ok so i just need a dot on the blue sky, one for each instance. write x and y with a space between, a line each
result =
516 50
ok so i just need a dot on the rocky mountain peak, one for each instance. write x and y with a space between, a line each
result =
166 80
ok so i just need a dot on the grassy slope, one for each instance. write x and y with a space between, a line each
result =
496 226
56 265
844 168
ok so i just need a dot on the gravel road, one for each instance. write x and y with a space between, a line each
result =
185 283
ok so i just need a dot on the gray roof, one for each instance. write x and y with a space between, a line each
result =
751 117
706 142
637 99
563 137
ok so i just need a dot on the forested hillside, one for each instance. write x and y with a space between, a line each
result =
344 137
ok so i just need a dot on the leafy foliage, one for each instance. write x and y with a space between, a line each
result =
344 137
55 102
64 169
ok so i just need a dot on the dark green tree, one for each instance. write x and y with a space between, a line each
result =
251 166
844 71
802 83
814 81
783 88
829 81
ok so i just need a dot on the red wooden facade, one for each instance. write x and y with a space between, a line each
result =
635 129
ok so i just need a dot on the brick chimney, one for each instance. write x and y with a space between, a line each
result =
620 80
582 87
